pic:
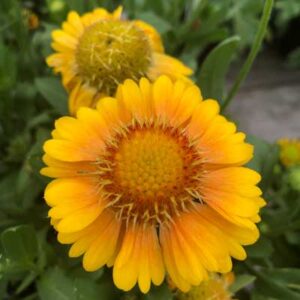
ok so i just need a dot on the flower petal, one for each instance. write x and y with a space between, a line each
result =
139 259
103 247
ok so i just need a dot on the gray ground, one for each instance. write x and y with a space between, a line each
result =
268 104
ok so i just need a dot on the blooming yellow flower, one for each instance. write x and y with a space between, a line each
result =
215 288
289 151
99 50
152 182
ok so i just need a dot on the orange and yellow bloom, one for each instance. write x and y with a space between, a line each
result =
152 182
99 50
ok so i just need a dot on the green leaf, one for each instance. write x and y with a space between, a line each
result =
159 293
41 40
7 193
160 24
77 5
293 60
89 290
55 285
27 280
54 93
287 276
265 157
256 46
261 249
215 67
292 237
241 281
8 67
20 244
3 287
276 283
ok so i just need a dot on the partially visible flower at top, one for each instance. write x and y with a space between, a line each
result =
152 182
215 288
289 151
294 178
99 50
31 20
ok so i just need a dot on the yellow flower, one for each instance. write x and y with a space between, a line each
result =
215 288
152 182
99 50
289 151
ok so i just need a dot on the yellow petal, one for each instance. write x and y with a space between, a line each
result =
81 96
75 25
103 247
65 190
170 66
125 272
64 38
79 219
152 34
57 168
202 117
132 99
170 263
162 92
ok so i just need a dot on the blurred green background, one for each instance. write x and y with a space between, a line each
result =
207 35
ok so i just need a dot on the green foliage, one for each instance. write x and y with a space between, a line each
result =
278 284
53 92
19 246
206 35
56 285
215 67
287 10
274 259
159 293
293 60
241 281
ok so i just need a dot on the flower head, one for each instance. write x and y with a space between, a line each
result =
99 50
152 182
215 288
289 151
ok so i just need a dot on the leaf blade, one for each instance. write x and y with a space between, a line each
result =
50 88
215 67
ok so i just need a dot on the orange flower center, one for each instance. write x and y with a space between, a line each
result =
111 51
152 174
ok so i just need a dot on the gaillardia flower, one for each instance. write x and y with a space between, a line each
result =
289 151
152 182
99 50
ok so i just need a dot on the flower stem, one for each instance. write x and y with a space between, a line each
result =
252 54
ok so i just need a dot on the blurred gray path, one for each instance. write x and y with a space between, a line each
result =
268 104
